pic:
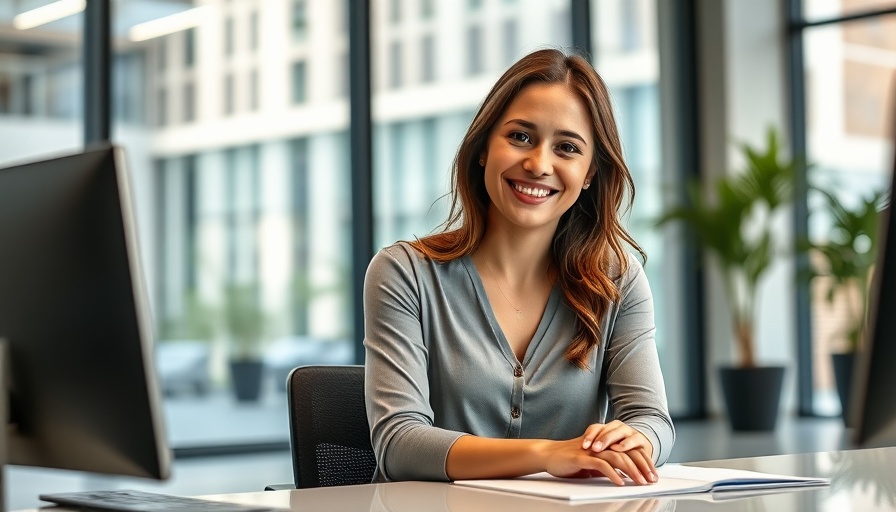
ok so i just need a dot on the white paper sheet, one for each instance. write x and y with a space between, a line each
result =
674 480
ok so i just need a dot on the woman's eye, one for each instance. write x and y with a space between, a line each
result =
519 136
568 147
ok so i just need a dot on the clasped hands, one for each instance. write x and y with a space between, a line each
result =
605 450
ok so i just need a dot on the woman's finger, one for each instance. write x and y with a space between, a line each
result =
614 432
644 463
634 440
624 463
603 467
591 432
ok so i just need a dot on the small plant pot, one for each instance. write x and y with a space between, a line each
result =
843 370
752 396
246 377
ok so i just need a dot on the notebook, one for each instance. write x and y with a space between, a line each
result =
674 480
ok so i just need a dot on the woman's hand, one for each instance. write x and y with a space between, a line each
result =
567 459
616 436
619 437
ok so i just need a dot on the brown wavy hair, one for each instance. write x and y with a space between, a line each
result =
588 248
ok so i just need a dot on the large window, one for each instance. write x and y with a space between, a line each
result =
241 169
850 102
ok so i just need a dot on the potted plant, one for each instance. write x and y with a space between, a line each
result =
196 321
733 223
245 321
842 264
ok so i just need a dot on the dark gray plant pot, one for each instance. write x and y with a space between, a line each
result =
843 365
246 379
752 396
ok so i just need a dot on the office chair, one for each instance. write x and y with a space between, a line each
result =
328 432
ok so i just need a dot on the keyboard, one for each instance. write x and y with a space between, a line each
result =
139 501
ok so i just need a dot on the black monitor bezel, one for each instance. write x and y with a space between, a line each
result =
106 448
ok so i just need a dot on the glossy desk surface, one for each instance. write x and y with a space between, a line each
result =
861 480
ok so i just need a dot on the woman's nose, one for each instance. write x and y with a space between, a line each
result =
538 161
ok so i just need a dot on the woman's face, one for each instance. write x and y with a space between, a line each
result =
538 157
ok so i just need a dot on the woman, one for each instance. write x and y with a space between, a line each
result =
503 345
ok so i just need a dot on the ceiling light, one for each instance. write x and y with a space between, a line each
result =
48 13
168 24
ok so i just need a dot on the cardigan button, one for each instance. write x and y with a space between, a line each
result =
518 371
515 413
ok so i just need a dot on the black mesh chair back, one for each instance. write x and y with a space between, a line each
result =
329 435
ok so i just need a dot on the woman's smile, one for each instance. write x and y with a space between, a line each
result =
531 193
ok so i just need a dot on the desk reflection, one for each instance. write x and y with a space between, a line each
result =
453 498
861 480
439 497
866 476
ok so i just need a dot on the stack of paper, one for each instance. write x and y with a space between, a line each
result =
674 480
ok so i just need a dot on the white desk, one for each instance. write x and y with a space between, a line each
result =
862 480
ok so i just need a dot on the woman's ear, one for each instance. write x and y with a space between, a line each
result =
482 159
588 178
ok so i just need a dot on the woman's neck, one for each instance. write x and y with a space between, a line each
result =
521 257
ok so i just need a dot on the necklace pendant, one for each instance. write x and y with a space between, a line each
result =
519 315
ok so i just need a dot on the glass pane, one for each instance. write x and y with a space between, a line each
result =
814 10
433 65
850 110
238 146
41 84
626 52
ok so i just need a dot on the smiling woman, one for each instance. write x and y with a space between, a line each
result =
520 338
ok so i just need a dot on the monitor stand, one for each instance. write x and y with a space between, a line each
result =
5 379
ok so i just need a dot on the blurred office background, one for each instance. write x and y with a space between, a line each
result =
235 115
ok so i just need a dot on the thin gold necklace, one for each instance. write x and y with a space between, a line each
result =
519 311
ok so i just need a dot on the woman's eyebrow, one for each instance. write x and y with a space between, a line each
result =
574 135
530 125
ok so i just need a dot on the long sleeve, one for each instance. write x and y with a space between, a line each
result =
406 444
634 378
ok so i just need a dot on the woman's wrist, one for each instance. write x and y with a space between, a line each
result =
541 451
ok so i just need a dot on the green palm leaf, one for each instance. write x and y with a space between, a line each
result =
719 224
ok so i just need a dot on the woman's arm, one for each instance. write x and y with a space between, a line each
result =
634 378
406 444
474 457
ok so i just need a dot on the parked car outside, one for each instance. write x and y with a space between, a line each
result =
284 354
183 367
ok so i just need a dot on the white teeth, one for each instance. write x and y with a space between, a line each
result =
529 191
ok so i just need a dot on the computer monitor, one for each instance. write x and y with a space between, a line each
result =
874 407
74 314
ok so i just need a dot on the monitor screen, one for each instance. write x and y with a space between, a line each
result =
75 320
874 408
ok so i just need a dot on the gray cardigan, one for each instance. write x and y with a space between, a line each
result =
438 366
